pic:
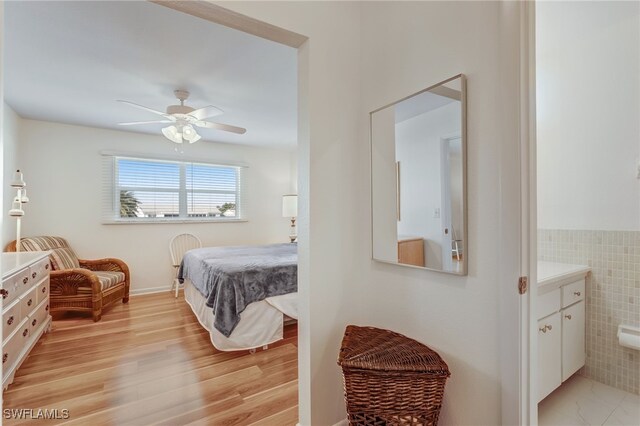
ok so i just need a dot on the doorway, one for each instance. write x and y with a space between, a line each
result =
452 212
585 189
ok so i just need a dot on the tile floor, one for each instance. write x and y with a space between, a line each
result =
582 401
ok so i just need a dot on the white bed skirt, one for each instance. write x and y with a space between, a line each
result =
261 323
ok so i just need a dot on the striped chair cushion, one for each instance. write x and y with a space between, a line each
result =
109 278
62 256
42 243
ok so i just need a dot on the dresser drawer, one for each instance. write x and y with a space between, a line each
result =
572 293
10 319
39 270
11 293
28 302
38 317
14 346
16 285
548 303
43 291
24 280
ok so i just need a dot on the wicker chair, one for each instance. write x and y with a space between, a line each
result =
77 284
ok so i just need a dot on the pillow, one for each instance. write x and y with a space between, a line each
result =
63 258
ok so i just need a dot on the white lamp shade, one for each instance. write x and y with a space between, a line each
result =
16 211
18 180
172 133
290 205
189 134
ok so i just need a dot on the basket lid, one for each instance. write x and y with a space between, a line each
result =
371 348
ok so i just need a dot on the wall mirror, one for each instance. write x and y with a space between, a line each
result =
418 179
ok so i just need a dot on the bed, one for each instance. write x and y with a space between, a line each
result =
242 295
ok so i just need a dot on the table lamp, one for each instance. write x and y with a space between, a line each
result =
290 209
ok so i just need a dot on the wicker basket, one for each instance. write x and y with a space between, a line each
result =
390 379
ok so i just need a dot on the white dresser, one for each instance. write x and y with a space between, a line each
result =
25 307
561 323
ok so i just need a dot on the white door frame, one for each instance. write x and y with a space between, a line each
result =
517 230
445 203
528 210
529 207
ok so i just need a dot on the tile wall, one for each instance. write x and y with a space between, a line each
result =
613 297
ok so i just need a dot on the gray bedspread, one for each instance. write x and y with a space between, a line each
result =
231 278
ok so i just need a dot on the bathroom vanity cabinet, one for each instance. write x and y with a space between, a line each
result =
561 323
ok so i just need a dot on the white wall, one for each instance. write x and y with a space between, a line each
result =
418 148
10 163
359 57
410 46
64 178
588 109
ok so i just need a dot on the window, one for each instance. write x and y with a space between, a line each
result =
149 190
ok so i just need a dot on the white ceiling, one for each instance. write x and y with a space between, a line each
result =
70 61
419 104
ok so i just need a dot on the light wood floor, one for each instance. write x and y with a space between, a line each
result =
150 362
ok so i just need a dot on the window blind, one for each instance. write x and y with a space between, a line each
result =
155 190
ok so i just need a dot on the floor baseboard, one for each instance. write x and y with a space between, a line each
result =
140 291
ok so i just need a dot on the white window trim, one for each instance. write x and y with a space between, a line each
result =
110 180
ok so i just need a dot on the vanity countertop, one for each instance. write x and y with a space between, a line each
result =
552 275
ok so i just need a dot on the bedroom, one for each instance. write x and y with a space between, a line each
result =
61 129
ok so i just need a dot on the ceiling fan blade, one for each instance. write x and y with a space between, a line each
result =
145 108
219 126
208 111
133 123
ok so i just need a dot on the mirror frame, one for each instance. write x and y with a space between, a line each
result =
464 140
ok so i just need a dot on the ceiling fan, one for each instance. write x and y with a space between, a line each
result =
183 118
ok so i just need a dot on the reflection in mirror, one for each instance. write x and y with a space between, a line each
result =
418 148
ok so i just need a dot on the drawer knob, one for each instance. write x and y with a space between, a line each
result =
549 327
44 289
4 292
577 293
4 357
25 332
46 266
25 280
10 320
33 275
47 308
30 302
543 329
568 316
34 322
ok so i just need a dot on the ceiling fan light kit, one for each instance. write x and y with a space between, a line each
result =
179 135
183 119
